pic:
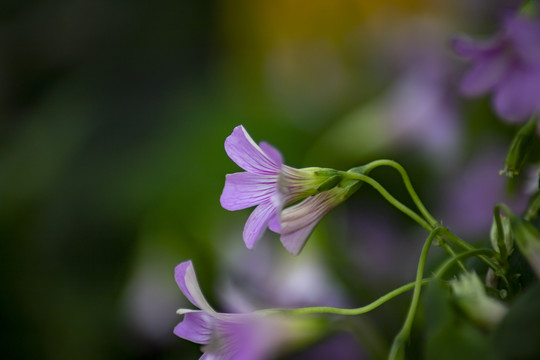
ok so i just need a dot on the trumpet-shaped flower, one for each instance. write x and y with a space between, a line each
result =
507 65
249 336
266 183
298 221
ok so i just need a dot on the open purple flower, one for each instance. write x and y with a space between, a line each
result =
249 336
266 183
507 65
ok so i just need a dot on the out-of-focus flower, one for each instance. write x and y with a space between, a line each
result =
473 300
278 280
267 183
298 221
247 336
507 65
467 207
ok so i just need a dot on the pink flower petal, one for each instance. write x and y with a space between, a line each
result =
248 155
257 223
294 242
272 152
196 327
244 190
186 279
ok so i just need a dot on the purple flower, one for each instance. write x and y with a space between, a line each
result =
297 222
266 183
507 65
249 336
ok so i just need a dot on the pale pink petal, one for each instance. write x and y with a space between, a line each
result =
294 242
185 277
247 154
310 210
257 223
196 327
272 152
274 223
244 190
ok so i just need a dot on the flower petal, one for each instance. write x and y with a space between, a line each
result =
294 242
247 154
272 152
196 327
244 190
257 223
485 75
186 279
518 97
525 35
310 210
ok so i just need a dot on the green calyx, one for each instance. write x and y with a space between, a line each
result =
520 148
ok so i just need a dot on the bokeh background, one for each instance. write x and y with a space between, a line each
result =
113 116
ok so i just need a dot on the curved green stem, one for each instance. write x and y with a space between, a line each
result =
466 246
396 351
448 264
357 311
452 253
407 181
392 200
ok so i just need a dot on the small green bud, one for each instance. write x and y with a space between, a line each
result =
528 240
519 149
501 237
533 207
471 297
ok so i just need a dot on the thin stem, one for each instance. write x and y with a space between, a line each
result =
392 200
357 311
407 181
466 246
452 253
396 351
448 264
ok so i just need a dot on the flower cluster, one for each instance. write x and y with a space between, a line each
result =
292 201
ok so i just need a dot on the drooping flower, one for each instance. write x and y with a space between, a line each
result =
224 336
266 183
507 65
298 221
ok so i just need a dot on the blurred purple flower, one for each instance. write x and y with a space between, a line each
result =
247 336
507 65
267 183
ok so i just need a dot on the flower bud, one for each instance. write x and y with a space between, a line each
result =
528 240
501 236
471 297
519 149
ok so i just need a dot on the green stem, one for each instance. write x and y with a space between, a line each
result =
407 181
357 311
448 264
396 351
466 246
392 200
452 253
